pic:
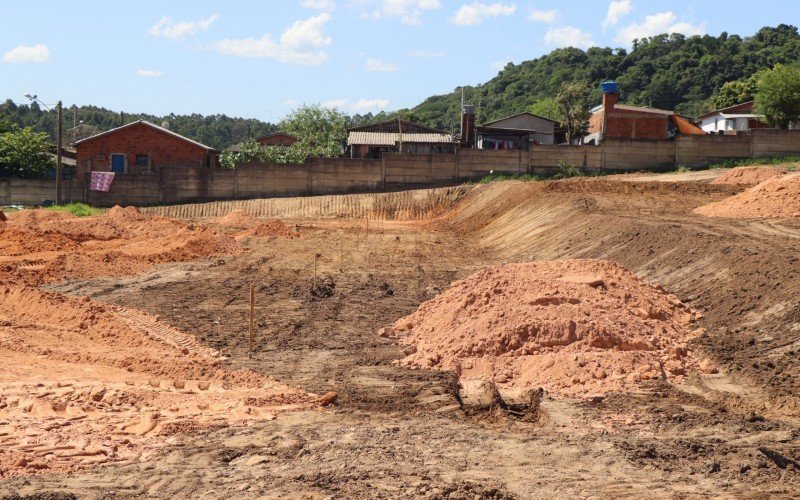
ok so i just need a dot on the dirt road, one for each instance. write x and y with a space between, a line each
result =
399 433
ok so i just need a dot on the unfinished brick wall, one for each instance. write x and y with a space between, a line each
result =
163 150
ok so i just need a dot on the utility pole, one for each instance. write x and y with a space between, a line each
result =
58 154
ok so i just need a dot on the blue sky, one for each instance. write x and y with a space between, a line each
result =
261 59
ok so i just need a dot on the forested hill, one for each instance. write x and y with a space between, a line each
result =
667 71
219 131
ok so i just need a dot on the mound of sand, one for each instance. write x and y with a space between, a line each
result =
46 246
778 197
749 175
573 327
85 383
244 225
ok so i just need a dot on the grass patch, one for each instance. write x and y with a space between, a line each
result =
77 209
748 162
508 177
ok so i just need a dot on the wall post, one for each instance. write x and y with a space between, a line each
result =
383 172
160 185
675 154
457 164
310 167
752 140
236 182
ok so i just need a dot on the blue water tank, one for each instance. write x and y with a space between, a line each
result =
609 87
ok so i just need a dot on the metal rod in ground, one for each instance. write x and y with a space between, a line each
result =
252 304
314 283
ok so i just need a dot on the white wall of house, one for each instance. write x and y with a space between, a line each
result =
719 122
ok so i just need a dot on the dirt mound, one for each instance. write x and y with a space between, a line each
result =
236 219
773 198
85 383
749 175
45 246
243 225
573 327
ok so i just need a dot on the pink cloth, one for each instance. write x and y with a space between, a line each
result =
101 181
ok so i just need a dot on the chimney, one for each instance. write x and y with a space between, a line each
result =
467 125
610 91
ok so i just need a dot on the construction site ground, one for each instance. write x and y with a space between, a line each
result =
395 432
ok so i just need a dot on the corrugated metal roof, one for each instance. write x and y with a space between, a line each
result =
392 138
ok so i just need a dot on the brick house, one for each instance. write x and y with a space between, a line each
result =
612 120
141 147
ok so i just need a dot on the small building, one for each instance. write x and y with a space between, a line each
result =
612 120
141 147
731 120
397 136
516 132
276 139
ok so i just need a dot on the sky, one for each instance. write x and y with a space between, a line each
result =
263 59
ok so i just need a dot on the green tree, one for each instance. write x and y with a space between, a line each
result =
547 107
573 110
320 131
24 153
736 92
778 96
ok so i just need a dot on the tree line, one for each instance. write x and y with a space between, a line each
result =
218 131
669 71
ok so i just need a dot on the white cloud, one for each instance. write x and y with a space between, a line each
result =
149 73
408 11
426 54
499 65
167 28
616 11
543 16
657 24
568 36
377 65
477 12
326 5
289 102
302 43
360 106
27 53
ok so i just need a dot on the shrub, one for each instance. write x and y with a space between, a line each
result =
567 170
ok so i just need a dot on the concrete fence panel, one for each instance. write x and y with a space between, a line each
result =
699 150
771 142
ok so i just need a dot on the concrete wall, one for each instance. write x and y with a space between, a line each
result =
400 171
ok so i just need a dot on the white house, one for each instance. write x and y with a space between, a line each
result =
737 118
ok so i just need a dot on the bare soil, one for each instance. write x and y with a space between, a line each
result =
395 432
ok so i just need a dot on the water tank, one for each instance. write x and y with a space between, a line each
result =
609 87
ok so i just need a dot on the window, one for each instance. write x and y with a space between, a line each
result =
141 160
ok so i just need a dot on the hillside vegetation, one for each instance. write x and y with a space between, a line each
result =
219 131
665 71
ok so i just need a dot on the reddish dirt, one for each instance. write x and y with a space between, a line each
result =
244 226
85 383
573 327
397 432
43 246
778 197
749 175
